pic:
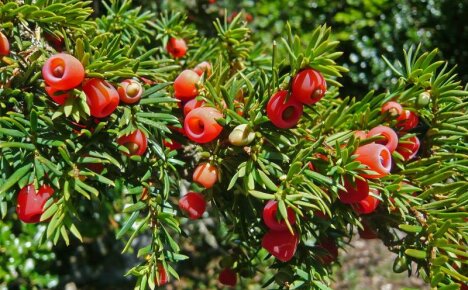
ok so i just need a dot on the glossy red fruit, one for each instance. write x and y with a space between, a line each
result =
355 191
63 72
228 277
394 109
391 138
308 86
408 148
271 217
57 96
162 277
206 174
4 45
130 91
407 121
330 249
101 96
203 68
281 244
376 157
193 104
367 233
135 142
30 205
193 204
284 114
369 204
185 85
177 47
201 126
55 41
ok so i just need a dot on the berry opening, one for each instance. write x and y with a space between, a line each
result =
197 126
132 147
385 158
288 113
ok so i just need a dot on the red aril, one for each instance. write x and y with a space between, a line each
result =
201 126
284 113
375 157
30 204
4 45
308 86
101 96
57 96
228 277
206 175
271 216
63 72
193 204
281 244
185 85
136 142
409 147
130 91
391 138
176 47
355 191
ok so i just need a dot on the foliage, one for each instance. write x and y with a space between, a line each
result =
422 213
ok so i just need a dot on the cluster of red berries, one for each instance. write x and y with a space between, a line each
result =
4 45
284 109
63 73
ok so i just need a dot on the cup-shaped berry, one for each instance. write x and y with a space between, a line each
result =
63 72
203 68
101 96
308 86
228 277
162 277
193 104
281 244
185 85
284 113
369 204
206 174
57 96
359 134
242 135
391 138
376 157
409 147
193 204
172 144
272 219
130 91
135 142
30 204
394 109
176 47
407 121
356 190
201 126
329 251
4 45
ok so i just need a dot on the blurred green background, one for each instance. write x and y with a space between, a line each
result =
367 30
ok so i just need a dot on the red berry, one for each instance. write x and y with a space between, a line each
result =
63 72
391 138
203 67
135 142
130 91
206 175
102 97
367 233
329 246
193 104
408 148
355 191
228 277
376 157
281 244
176 47
200 124
283 114
248 17
162 277
4 45
394 109
308 86
193 204
30 205
407 121
60 97
271 217
185 85
321 214
369 204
